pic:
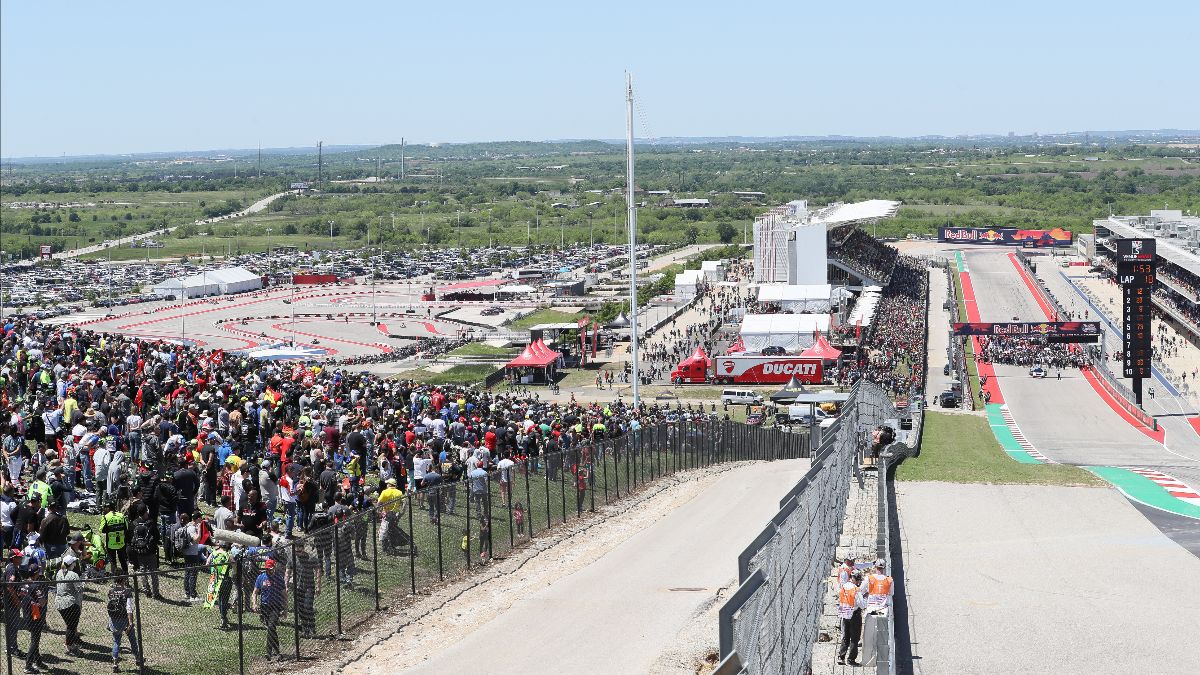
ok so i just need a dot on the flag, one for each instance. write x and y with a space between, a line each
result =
595 338
858 330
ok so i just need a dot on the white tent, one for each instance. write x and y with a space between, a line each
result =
714 270
807 298
194 286
688 281
793 332
233 279
214 282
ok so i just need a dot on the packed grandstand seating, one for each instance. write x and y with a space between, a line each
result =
893 350
865 254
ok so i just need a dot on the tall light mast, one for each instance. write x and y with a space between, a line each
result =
632 206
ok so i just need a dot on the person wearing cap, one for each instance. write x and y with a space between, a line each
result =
68 600
850 605
269 599
877 588
34 597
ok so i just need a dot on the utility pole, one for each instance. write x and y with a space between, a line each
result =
632 206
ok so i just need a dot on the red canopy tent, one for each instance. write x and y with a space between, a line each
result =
532 357
821 349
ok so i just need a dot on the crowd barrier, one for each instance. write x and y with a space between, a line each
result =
349 571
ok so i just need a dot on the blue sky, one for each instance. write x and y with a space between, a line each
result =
91 77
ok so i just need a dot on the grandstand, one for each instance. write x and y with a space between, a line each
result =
795 245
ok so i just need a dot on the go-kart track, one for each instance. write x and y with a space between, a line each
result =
335 320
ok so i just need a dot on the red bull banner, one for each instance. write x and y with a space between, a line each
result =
1012 329
1006 236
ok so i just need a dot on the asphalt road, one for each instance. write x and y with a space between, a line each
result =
619 614
1041 580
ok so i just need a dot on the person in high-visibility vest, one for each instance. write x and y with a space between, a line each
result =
850 604
114 526
877 588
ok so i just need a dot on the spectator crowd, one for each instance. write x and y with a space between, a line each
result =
215 463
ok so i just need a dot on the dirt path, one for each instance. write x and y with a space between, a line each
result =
537 584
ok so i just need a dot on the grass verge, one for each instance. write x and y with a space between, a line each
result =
464 374
482 349
962 449
543 316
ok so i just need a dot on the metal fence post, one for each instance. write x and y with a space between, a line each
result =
529 500
438 526
512 538
412 547
546 475
137 614
375 552
470 497
337 574
604 470
296 599
562 484
487 502
8 649
241 564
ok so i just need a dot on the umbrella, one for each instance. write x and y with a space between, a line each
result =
790 391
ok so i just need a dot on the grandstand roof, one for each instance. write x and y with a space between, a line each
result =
872 209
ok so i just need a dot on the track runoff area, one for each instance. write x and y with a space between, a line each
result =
1075 419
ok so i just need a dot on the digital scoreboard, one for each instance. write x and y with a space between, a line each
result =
1136 274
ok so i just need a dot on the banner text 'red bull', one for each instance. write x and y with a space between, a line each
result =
1006 236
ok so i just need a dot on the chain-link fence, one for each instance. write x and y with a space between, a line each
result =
327 582
770 623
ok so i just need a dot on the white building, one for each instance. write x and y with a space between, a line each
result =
790 244
688 282
216 282
793 332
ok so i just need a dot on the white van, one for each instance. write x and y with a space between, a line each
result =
741 397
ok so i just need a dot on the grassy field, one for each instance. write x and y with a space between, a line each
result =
972 371
462 374
219 247
962 449
481 349
543 316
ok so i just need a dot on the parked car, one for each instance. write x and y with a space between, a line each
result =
949 399
773 351
1037 371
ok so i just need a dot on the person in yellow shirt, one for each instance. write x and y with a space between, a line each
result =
391 536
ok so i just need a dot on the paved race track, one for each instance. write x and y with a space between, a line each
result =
618 614
1031 579
1066 420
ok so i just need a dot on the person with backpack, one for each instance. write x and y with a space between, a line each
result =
184 539
143 544
269 600
115 528
68 600
120 620
322 537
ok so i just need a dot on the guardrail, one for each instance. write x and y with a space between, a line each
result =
770 623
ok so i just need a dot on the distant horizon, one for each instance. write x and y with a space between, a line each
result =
1116 135
143 77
